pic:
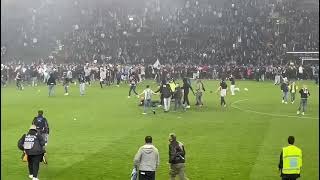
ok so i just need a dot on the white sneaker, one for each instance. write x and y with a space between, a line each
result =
286 102
282 101
298 112
128 96
31 176
144 113
66 94
302 113
35 179
292 102
188 107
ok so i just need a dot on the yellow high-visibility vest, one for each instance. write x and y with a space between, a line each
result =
293 88
172 86
292 160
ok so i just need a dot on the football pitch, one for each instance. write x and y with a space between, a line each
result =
95 137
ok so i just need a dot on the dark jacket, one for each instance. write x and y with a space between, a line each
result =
233 82
51 80
186 86
37 139
176 152
304 93
284 87
81 79
223 85
42 124
178 93
165 90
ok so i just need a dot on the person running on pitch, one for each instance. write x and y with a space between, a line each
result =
102 76
199 91
304 92
42 126
147 98
233 85
186 86
133 85
223 92
19 82
65 84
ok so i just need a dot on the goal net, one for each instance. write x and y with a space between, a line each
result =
304 58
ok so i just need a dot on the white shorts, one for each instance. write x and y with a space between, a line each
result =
223 92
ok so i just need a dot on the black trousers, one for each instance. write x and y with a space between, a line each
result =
186 98
34 163
288 178
147 175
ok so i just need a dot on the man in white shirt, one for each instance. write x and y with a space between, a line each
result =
147 98
300 71
87 73
102 76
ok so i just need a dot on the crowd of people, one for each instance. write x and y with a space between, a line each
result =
245 32
33 74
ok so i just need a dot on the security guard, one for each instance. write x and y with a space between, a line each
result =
293 88
290 161
32 144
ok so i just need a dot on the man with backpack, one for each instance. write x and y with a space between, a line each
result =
176 158
177 97
199 90
32 144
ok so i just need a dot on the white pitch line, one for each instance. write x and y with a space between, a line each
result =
269 114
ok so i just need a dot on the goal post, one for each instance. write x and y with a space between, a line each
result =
303 57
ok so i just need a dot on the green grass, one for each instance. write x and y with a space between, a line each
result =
229 144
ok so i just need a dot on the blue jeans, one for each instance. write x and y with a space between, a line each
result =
303 105
285 96
199 98
177 104
132 88
293 97
51 90
147 104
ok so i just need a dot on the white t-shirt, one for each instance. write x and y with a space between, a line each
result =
103 75
223 92
147 93
300 69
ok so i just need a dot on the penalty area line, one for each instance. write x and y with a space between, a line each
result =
268 114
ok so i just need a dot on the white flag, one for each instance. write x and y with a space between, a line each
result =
157 64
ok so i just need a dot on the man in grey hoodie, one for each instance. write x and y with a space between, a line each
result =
147 160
